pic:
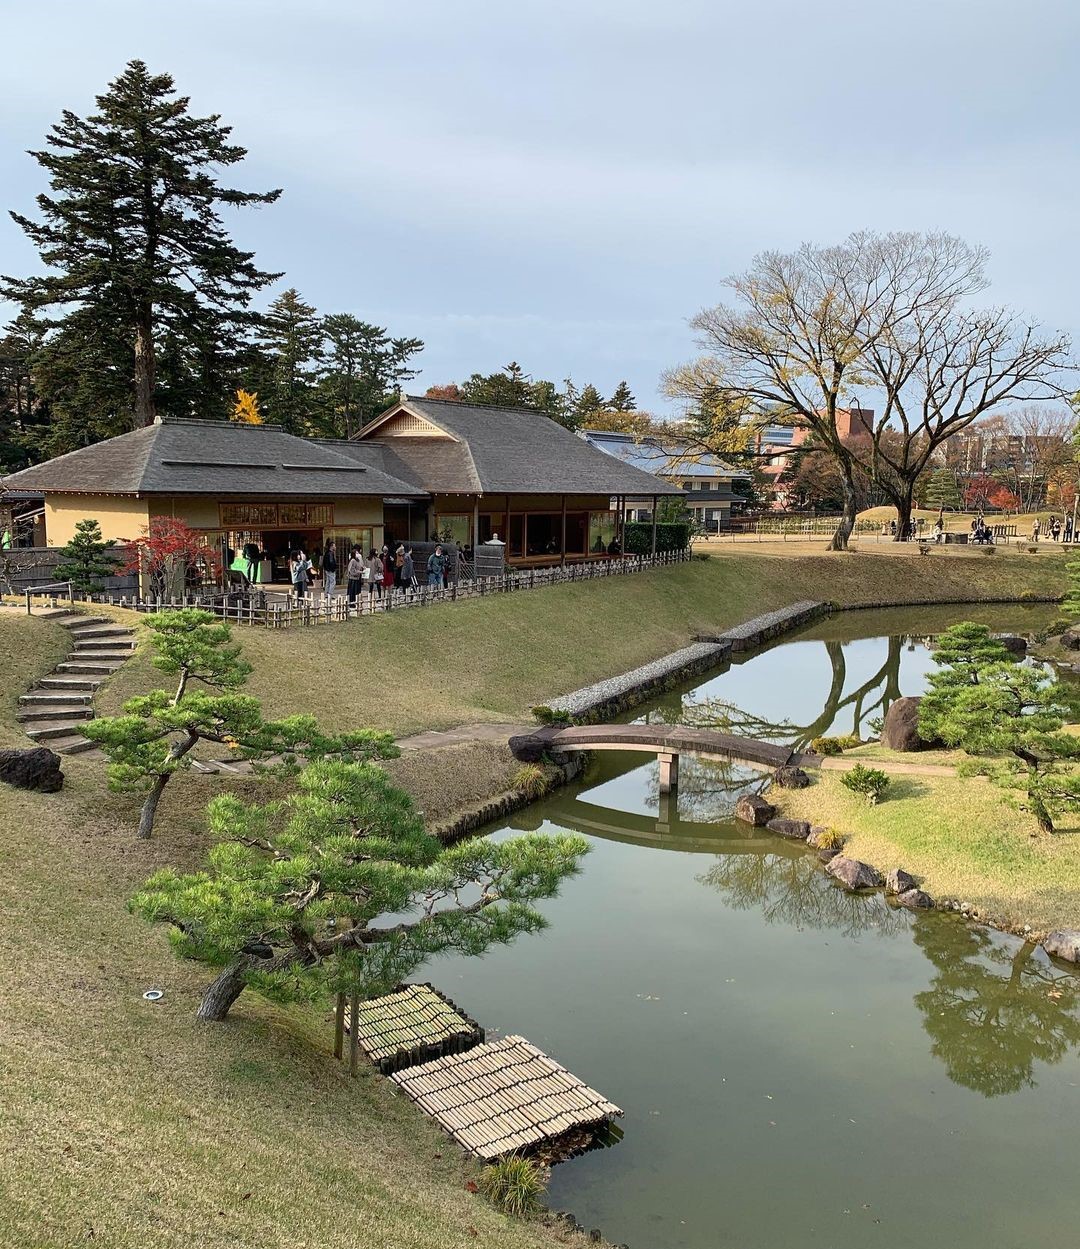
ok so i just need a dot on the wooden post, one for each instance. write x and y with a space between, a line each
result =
562 544
339 1026
654 502
354 1039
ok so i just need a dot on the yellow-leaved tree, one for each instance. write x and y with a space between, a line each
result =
246 410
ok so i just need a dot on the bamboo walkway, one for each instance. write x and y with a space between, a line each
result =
504 1097
412 1025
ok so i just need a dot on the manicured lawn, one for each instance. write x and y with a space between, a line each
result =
493 659
127 1124
965 837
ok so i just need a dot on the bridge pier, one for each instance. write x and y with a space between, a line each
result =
669 771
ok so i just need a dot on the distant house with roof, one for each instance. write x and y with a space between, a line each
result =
423 468
706 482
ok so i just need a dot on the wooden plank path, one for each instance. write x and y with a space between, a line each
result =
504 1096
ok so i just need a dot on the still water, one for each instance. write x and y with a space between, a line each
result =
797 1066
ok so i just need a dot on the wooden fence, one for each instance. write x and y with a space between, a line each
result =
285 610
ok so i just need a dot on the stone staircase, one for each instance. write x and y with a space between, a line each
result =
54 709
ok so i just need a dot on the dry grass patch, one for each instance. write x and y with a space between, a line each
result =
130 1124
962 836
493 659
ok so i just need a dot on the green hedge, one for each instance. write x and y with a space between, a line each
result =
671 535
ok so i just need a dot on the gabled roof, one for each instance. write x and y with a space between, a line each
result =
214 457
505 450
659 455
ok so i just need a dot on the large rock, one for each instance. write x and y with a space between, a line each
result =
1016 646
38 768
899 881
1070 639
753 809
916 899
1064 943
797 830
901 731
853 874
791 778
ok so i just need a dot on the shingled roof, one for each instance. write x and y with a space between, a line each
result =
506 450
217 458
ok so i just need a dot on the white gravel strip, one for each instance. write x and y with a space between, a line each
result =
581 702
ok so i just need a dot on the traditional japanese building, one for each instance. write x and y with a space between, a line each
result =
425 468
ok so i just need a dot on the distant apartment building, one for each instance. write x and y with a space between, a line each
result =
706 480
774 446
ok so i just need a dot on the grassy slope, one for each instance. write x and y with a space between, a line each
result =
493 659
130 1123
962 836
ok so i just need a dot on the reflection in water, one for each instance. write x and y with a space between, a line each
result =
870 698
795 891
994 1007
754 1020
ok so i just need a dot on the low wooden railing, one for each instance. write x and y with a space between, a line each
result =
286 610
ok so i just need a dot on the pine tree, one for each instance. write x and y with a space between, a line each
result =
154 738
364 371
942 490
296 896
291 341
23 414
589 403
134 241
86 558
622 400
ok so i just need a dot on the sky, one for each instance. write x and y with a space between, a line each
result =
566 182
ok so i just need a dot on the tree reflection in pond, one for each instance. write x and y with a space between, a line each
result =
994 1008
871 697
794 890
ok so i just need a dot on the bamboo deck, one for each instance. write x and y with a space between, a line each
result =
503 1096
414 1024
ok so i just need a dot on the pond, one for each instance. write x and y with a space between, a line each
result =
796 1065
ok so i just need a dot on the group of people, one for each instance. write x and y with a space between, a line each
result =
1056 530
380 572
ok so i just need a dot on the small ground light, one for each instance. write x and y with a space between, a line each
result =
154 995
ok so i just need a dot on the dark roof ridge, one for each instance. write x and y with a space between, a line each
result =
471 403
222 424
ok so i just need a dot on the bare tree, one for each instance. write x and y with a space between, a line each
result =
880 318
1035 442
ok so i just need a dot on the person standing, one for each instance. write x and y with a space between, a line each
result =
1067 532
407 570
374 574
354 576
1036 529
387 571
399 562
299 571
329 569
1055 529
436 567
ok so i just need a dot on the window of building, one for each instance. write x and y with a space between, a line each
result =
492 523
454 527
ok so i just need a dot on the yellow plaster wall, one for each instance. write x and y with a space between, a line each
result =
202 513
121 519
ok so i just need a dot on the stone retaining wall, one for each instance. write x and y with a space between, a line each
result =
608 698
761 629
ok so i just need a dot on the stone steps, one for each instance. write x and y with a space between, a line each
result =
66 712
61 729
68 681
52 698
96 667
55 709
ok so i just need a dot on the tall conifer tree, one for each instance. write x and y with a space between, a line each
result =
132 238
